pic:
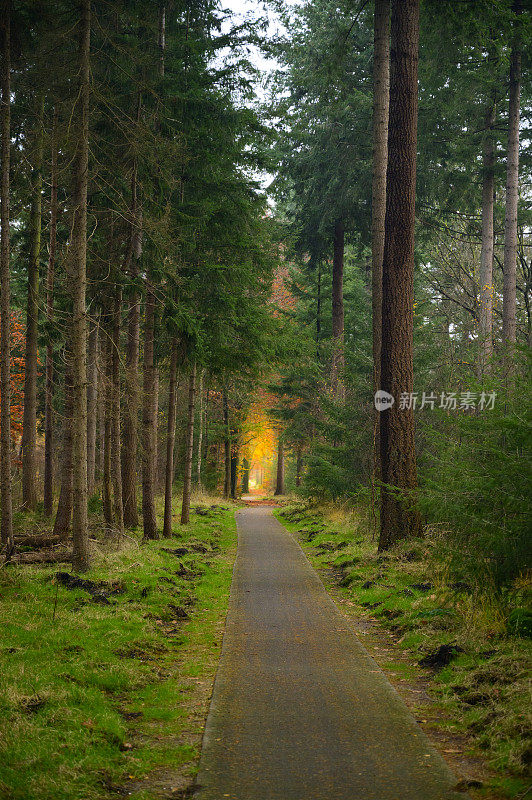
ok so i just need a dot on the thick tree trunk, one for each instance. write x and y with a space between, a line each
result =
130 434
116 467
399 518
338 310
6 525
200 429
63 514
80 534
486 254
170 440
29 429
92 405
227 446
49 386
512 195
381 103
279 480
149 419
189 448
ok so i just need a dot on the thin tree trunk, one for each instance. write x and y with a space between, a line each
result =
234 469
486 254
299 465
49 387
399 518
107 498
116 467
81 552
338 309
63 514
170 440
130 434
92 405
227 446
29 429
512 195
279 480
318 313
149 419
381 104
245 476
200 430
189 448
6 526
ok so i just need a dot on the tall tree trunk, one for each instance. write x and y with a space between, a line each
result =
245 476
486 254
131 410
189 448
234 469
381 103
170 440
29 429
63 514
227 446
6 525
399 518
149 419
338 309
512 195
107 497
279 480
299 465
200 429
92 405
80 533
49 386
318 313
116 467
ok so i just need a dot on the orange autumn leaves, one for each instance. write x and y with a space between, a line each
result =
18 346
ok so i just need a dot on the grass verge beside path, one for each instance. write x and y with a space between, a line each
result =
104 688
471 693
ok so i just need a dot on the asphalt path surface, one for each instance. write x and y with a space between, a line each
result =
300 711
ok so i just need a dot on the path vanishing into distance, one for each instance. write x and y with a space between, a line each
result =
300 711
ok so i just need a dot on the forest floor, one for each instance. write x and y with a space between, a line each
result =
446 652
105 685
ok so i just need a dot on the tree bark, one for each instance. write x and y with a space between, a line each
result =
63 514
92 405
170 440
116 467
399 518
512 195
318 313
227 446
149 419
6 525
200 430
80 534
486 253
130 434
49 385
381 103
234 469
189 448
245 476
279 480
299 465
107 497
338 309
29 429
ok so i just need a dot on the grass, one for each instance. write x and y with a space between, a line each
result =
484 692
108 693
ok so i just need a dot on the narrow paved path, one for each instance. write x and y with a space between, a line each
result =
300 711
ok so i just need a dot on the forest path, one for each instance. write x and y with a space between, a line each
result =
300 711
